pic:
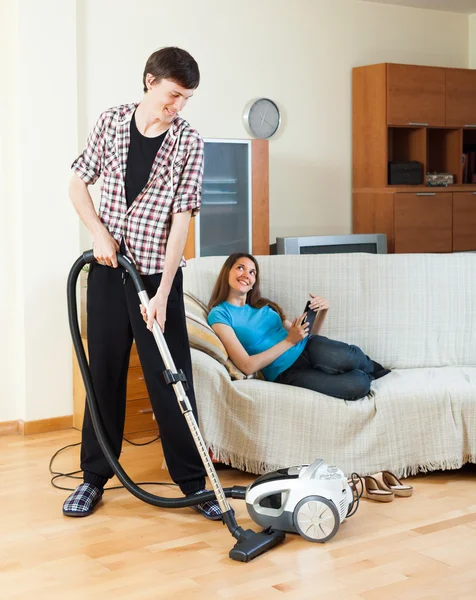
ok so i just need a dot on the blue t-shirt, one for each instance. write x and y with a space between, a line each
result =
258 329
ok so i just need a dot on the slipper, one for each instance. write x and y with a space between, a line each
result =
82 501
210 509
372 489
388 481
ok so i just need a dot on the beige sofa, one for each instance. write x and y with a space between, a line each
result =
413 313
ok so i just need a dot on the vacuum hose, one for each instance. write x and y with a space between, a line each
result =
237 492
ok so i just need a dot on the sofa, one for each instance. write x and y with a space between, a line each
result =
413 313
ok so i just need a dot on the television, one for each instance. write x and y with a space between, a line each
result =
373 243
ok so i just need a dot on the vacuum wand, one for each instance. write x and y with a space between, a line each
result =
250 544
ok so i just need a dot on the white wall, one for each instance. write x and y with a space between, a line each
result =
299 53
41 231
11 322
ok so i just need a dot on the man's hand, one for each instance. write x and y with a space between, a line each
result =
157 311
105 248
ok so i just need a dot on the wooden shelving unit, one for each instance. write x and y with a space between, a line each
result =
414 113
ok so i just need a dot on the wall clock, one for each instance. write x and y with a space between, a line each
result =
262 118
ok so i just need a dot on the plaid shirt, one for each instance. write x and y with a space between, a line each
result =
145 225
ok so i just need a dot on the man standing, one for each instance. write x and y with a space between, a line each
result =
152 166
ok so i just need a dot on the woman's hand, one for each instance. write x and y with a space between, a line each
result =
298 332
318 302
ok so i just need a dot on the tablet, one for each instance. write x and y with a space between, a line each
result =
310 315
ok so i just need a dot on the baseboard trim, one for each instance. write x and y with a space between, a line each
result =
8 427
40 426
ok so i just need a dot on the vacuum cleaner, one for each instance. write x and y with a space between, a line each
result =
311 500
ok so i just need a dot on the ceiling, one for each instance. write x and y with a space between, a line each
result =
460 6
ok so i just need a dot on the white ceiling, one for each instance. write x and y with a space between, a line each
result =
461 6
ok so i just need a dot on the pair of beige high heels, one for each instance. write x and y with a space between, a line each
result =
383 487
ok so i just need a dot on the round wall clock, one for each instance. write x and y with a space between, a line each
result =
262 118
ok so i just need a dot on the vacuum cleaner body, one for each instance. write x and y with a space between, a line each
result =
311 500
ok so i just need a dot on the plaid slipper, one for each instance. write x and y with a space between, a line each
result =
82 501
210 509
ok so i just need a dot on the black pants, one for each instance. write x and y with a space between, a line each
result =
332 368
114 320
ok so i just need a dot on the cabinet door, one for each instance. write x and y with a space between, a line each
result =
224 222
461 97
234 215
423 222
139 415
415 95
464 221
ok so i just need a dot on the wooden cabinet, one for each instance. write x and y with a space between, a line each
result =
405 113
234 215
139 416
464 221
415 95
461 97
438 221
423 222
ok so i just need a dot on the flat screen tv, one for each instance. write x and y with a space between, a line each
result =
373 243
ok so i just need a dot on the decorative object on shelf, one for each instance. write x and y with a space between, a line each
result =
262 118
439 179
408 172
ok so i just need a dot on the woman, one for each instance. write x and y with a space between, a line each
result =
258 337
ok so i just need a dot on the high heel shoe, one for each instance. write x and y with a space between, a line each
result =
388 481
368 487
373 491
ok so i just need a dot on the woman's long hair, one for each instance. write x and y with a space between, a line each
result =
221 288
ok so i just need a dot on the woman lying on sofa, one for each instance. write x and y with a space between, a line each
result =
258 337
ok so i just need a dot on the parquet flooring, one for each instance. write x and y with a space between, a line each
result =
418 548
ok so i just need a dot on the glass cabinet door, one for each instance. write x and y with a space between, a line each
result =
224 220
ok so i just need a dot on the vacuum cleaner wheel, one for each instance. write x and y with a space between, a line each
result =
316 519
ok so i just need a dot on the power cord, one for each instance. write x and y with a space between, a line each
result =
355 479
74 474
144 444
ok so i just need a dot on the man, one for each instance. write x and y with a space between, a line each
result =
152 166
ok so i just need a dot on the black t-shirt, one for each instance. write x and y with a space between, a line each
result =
142 153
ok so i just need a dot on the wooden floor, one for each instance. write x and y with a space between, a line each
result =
419 548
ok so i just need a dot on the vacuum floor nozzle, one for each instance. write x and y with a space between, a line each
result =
254 544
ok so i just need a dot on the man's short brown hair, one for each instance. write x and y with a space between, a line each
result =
175 64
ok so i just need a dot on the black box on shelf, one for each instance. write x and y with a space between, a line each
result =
405 173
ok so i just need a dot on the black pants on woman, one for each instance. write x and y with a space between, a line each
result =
332 368
114 321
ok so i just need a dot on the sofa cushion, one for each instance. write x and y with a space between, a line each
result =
200 334
202 337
